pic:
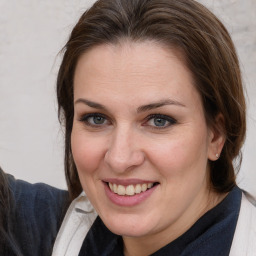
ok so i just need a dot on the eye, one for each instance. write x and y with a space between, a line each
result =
94 119
160 121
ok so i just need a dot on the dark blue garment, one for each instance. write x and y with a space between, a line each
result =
211 235
36 213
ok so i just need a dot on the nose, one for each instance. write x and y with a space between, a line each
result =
123 152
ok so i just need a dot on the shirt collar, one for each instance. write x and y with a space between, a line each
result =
82 204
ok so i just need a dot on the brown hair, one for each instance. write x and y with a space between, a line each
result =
209 53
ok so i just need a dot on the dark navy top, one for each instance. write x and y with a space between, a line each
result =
36 213
211 235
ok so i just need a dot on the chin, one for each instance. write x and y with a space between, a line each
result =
129 232
128 227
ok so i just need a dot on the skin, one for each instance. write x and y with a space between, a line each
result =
127 143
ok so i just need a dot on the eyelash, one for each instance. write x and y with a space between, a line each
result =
168 119
85 119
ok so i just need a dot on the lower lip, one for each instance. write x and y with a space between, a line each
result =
128 200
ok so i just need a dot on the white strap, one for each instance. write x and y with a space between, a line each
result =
76 224
244 242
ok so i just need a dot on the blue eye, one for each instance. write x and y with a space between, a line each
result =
97 120
94 119
160 121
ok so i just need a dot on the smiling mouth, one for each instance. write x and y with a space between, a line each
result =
130 190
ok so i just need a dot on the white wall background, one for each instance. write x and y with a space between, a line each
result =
31 35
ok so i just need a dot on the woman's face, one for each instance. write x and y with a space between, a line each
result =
140 140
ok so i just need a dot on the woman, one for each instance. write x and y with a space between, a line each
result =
151 96
30 216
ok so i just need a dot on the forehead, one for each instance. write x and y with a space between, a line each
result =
129 58
145 69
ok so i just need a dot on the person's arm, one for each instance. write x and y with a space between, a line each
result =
7 243
36 213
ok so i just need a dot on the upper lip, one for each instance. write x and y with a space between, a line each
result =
126 182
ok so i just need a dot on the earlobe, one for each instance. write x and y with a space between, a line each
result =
217 138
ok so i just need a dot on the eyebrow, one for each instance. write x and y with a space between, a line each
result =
158 105
140 109
90 104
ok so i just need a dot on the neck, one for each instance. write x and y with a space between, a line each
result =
146 245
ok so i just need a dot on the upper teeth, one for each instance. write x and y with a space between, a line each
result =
129 190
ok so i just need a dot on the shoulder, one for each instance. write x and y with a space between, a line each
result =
244 242
39 194
37 211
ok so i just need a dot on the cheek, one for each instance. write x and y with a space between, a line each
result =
175 156
87 152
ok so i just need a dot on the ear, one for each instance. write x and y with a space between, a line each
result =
217 138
